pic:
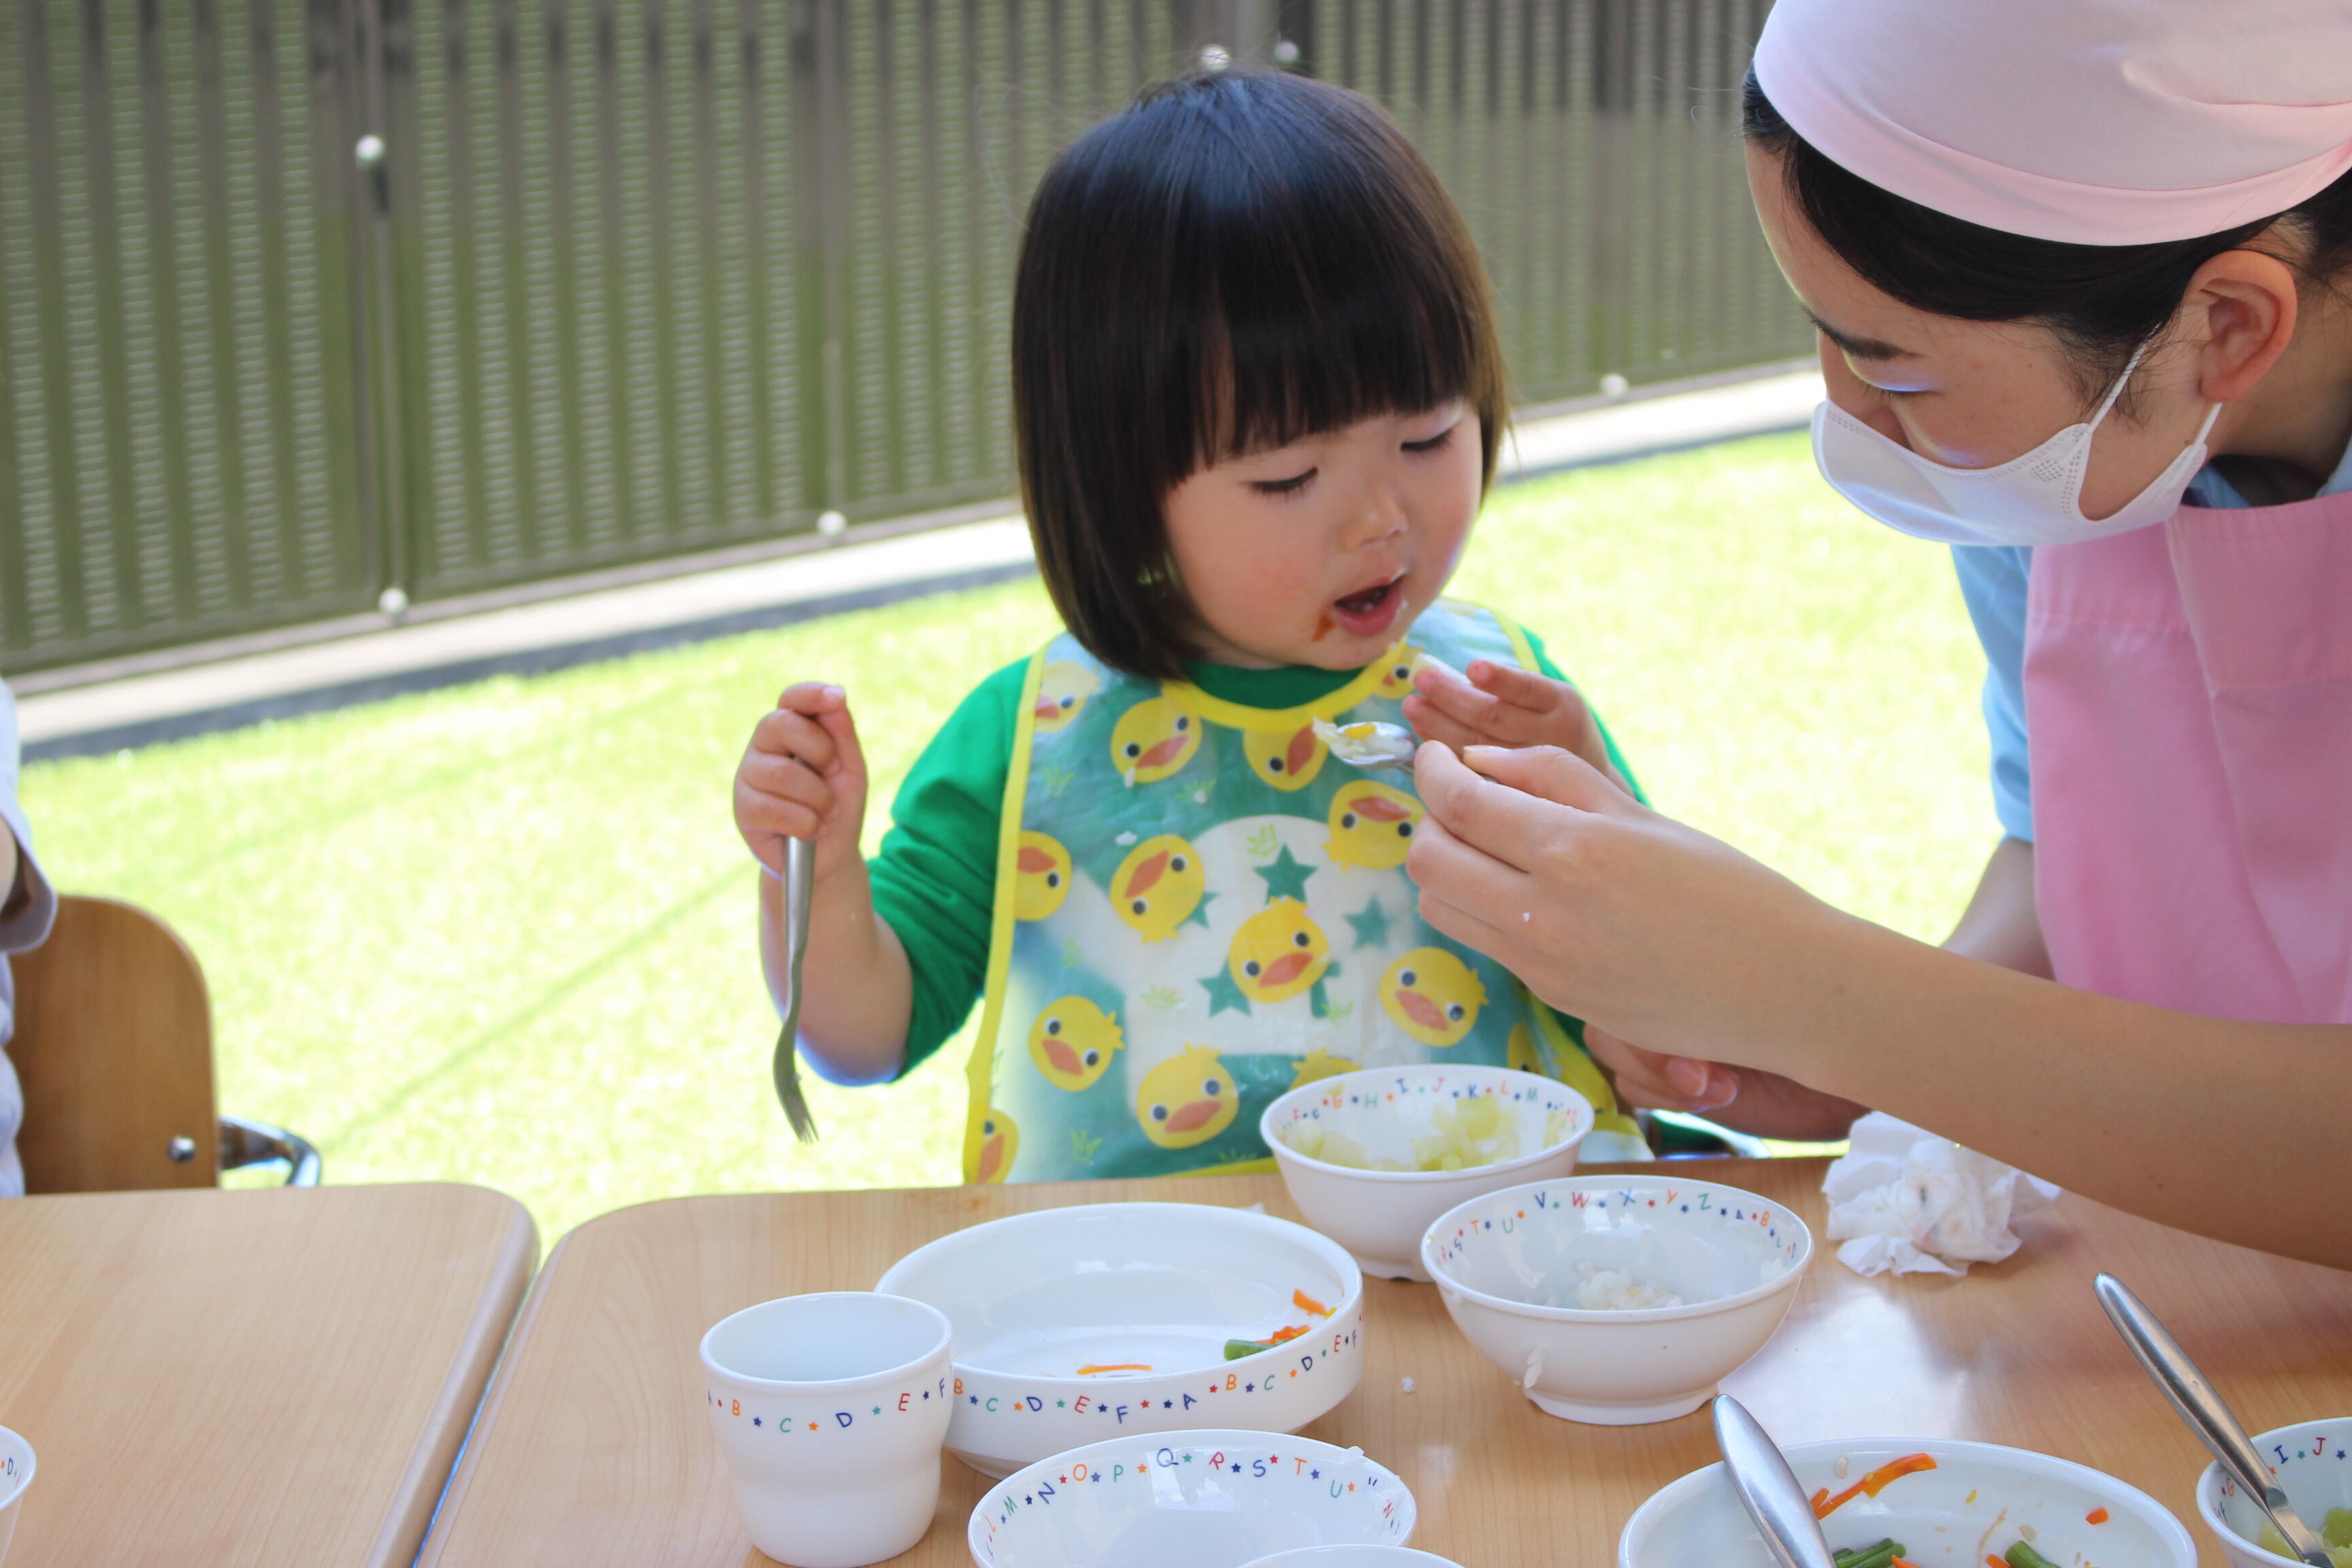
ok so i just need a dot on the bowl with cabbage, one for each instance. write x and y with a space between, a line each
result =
1371 1158
1618 1299
2312 1463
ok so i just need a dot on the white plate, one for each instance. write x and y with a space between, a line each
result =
1187 1500
1978 1501
1152 1291
1379 1215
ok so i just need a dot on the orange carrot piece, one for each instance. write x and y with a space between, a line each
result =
1089 1371
1306 1303
1873 1483
1903 1562
1995 1563
1279 1335
2096 1516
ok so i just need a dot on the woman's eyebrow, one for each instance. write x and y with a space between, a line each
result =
1859 347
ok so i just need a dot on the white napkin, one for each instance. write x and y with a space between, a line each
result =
1906 1200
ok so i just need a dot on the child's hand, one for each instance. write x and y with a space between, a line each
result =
1501 705
803 776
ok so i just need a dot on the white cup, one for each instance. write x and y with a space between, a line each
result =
831 1410
15 1475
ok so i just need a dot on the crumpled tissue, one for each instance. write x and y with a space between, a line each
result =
1906 1200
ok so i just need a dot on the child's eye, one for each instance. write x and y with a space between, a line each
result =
1290 486
1436 443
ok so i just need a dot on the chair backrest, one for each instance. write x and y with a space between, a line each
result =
114 1045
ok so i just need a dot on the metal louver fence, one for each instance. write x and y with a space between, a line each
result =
305 300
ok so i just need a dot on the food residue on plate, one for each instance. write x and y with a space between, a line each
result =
1091 1370
2334 1532
1236 1349
1876 1481
1615 1290
1464 1134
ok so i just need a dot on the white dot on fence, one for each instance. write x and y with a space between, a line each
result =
830 523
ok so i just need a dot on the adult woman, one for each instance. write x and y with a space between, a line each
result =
2129 224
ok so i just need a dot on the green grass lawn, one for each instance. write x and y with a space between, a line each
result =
503 933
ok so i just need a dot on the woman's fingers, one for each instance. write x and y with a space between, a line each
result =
1551 773
1656 1081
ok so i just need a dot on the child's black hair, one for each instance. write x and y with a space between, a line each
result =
1237 259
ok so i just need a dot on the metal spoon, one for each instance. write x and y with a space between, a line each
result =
2192 1394
800 883
1768 1489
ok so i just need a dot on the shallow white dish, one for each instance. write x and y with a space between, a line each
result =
2312 1463
1161 1287
1187 1500
1355 1557
1978 1500
1500 1261
1379 1215
15 1475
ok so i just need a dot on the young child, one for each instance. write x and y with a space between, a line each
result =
1257 395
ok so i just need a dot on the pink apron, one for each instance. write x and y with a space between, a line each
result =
2189 704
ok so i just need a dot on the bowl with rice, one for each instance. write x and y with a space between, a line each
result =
1372 1158
1619 1300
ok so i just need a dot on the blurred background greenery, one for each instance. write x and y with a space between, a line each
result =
503 933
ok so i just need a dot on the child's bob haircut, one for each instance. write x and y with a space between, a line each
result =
1238 260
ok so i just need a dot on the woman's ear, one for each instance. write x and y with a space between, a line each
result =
2240 311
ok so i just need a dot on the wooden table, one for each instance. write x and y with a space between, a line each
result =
593 1447
248 1378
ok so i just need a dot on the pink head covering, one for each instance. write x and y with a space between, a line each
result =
2097 121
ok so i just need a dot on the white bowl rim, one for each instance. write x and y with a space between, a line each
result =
1189 1437
944 1343
1317 1087
2209 1494
32 1462
1315 1241
1786 1281
2157 1516
1297 1555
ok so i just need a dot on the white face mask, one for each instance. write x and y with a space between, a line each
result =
2033 500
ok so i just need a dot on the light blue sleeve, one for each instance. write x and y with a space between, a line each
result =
1992 581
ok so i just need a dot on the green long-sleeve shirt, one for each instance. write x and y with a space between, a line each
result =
935 878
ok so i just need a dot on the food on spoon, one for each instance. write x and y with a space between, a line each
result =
1368 744
1464 1134
1615 1290
2335 1530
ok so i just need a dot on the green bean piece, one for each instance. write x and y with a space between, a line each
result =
1882 1555
1847 1556
1236 1349
2022 1556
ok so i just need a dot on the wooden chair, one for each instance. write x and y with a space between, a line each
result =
115 1048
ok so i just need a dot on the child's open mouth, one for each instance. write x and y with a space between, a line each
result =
1368 611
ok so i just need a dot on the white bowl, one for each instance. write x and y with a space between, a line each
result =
1501 1261
1355 1557
1187 1500
1379 1215
2312 1463
15 1475
1979 1501
1159 1286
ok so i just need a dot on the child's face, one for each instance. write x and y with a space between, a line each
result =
1322 553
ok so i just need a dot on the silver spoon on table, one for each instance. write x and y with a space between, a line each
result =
800 883
2193 1395
1768 1489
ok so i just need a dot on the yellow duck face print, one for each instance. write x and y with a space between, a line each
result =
1187 1099
999 1141
1072 1042
1042 879
1318 1064
1397 678
1158 885
1519 1054
1153 740
1432 995
1278 953
1287 759
1373 825
1063 688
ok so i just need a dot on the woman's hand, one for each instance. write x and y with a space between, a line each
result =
1494 704
1650 930
1745 1100
803 776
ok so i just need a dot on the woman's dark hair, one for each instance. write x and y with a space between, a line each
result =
1237 260
2102 300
